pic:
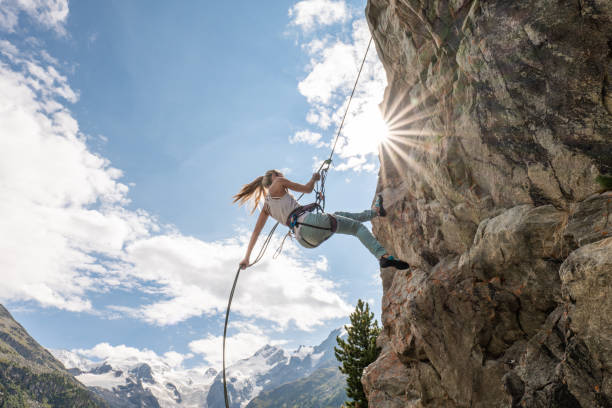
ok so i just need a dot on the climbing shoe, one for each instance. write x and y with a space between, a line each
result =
388 261
379 204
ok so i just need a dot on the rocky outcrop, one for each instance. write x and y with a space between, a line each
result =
500 121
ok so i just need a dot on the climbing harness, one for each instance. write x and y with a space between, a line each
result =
333 226
292 219
293 223
318 205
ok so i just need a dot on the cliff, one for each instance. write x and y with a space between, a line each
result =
31 377
501 120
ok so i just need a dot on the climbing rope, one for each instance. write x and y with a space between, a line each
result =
320 199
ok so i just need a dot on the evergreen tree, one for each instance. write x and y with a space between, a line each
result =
357 352
605 181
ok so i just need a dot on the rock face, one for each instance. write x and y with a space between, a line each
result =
501 120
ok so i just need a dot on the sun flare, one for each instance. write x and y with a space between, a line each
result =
364 133
380 129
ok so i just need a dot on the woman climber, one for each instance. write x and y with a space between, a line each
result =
310 229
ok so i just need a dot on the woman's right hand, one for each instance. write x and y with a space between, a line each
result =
244 263
316 176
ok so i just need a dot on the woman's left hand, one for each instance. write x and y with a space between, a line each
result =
316 176
244 263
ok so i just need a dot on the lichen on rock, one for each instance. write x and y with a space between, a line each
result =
500 125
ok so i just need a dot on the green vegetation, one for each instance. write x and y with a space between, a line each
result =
31 377
357 352
20 387
604 181
12 395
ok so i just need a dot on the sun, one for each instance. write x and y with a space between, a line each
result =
364 134
380 129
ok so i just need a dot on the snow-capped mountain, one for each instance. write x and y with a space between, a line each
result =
132 383
135 384
269 368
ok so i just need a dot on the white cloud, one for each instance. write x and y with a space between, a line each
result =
196 279
333 69
307 14
60 202
322 263
48 58
331 75
8 49
305 136
243 344
124 356
65 231
50 14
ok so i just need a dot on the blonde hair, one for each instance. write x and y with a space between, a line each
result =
255 190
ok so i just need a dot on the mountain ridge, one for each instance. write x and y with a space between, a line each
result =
31 376
323 388
288 368
134 384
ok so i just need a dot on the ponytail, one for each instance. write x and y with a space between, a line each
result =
255 190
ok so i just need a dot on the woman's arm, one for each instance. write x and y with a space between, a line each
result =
261 221
301 188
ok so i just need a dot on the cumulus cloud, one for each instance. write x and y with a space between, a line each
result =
305 136
243 344
65 230
331 74
61 202
51 14
196 279
308 14
245 340
125 356
333 70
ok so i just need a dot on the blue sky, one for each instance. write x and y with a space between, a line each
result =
126 127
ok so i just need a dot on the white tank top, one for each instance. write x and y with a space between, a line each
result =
280 207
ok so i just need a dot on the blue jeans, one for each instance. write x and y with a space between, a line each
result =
348 223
